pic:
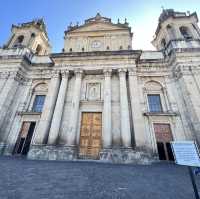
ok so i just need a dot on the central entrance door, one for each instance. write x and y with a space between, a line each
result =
90 135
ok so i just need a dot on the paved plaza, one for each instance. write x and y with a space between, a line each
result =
27 179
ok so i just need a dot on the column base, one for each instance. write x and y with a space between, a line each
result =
50 152
127 156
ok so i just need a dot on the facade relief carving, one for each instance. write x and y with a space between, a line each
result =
93 91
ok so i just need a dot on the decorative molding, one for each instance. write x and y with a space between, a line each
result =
160 114
55 74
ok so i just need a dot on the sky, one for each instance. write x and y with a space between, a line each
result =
142 16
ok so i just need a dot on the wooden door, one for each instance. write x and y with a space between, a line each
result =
90 135
163 138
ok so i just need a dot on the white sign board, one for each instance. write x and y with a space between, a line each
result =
186 153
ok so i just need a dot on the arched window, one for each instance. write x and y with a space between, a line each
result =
171 32
33 35
120 47
156 99
70 50
38 49
19 41
107 48
185 32
163 43
38 97
83 49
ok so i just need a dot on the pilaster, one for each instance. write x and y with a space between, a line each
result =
107 112
137 118
124 110
73 123
57 116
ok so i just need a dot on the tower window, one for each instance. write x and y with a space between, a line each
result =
154 103
38 103
107 48
38 49
19 41
185 32
163 43
33 35
120 47
70 50
83 49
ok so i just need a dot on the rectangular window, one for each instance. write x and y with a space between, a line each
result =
38 103
154 103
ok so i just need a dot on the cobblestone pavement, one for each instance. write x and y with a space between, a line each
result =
27 179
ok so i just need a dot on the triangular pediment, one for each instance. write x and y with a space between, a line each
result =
99 26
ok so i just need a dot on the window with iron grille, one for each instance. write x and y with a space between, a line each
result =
38 103
154 103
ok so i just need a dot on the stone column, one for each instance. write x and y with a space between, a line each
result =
7 104
138 121
57 116
72 132
7 94
124 110
107 121
42 131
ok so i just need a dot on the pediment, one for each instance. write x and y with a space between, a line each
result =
98 27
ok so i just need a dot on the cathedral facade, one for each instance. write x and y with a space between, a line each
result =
99 98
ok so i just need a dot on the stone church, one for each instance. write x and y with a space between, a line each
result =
98 98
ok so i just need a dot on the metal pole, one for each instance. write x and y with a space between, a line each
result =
193 183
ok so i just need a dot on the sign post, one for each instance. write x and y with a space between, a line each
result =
186 153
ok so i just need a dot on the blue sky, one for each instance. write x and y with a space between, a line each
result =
141 14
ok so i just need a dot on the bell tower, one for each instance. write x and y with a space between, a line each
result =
176 30
31 35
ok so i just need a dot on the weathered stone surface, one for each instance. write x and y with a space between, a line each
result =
47 152
127 155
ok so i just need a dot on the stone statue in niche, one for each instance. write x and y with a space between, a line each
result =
93 91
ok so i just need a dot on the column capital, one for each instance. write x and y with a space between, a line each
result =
65 73
107 72
55 73
78 72
132 72
122 71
